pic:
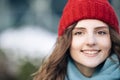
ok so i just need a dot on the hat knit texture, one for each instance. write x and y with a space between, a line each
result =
76 10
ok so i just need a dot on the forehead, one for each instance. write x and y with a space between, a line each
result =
90 23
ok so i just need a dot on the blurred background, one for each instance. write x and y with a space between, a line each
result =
28 31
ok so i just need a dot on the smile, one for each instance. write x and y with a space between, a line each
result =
90 52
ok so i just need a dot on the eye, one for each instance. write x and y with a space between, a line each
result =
78 33
102 32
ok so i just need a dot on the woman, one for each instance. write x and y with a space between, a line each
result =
88 44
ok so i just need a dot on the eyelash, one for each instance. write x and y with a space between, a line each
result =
99 33
78 33
102 32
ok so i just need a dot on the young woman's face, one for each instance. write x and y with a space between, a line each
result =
91 43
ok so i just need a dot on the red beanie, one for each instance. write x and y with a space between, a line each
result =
76 10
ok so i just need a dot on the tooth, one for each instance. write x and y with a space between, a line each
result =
90 52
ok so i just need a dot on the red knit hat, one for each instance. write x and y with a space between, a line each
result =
76 10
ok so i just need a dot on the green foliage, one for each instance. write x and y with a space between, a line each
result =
26 70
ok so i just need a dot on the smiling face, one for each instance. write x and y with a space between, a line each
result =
91 43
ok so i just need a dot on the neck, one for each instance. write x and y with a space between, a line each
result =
86 71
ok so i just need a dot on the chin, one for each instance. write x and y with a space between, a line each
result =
92 65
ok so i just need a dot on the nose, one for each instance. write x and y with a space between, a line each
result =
91 40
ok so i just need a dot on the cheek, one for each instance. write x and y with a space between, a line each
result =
77 42
105 44
75 46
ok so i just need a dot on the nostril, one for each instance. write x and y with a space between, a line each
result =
91 45
91 41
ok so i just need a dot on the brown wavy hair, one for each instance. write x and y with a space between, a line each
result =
55 66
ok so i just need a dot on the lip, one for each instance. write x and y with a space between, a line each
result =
90 52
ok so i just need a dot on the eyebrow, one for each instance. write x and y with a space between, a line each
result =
98 27
102 27
79 28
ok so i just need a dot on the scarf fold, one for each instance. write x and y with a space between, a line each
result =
109 71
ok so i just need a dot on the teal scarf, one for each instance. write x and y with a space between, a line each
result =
109 71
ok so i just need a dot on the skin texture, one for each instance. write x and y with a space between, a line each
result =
91 45
55 66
